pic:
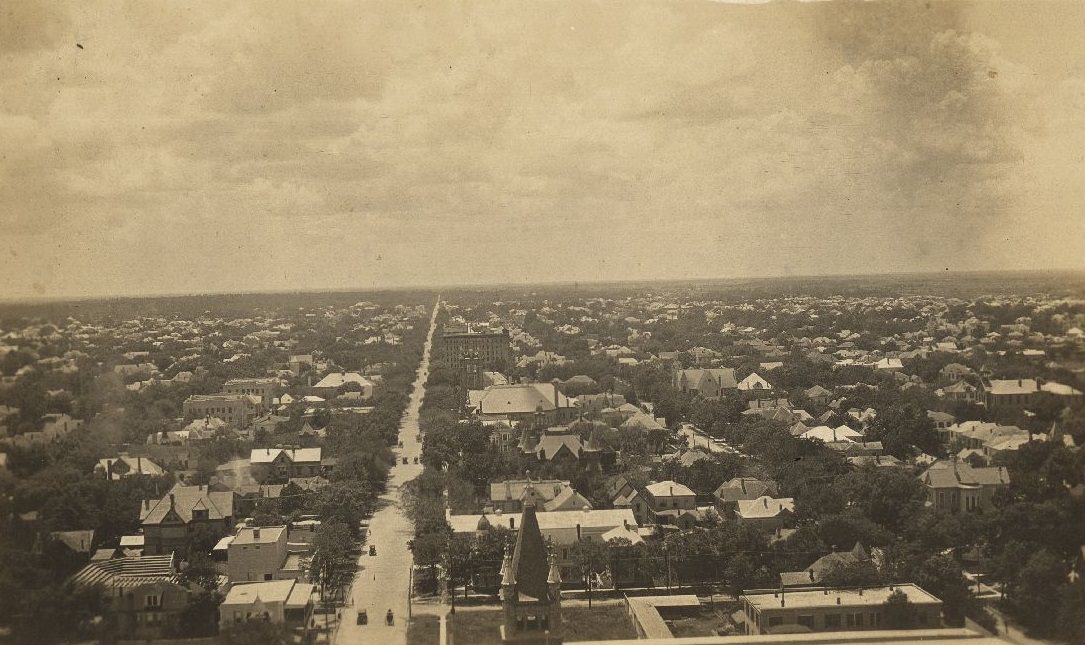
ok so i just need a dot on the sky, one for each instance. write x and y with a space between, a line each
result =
154 148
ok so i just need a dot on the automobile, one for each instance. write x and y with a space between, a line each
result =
372 549
404 461
363 617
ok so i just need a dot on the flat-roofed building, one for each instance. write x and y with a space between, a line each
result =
265 388
256 554
833 610
277 601
237 410
492 348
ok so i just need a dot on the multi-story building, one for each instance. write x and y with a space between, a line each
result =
707 383
143 595
265 388
955 486
168 523
259 553
491 348
237 410
283 464
833 610
668 499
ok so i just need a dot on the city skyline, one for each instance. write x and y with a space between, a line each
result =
242 148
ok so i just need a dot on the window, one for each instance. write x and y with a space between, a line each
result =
152 601
267 576
806 620
851 620
832 621
776 620
858 620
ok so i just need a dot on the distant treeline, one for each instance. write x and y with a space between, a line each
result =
193 306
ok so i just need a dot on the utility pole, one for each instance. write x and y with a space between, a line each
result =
591 573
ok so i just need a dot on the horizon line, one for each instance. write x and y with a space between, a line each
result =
40 300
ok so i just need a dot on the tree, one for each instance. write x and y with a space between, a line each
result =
1069 626
1035 602
590 558
899 612
331 557
256 632
941 575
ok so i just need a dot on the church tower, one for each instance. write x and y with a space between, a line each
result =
530 588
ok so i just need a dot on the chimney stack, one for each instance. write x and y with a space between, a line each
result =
256 534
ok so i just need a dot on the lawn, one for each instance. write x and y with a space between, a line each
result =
425 629
481 627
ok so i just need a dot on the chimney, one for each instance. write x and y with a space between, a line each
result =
146 504
555 395
765 501
838 600
173 501
742 481
812 577
256 534
139 465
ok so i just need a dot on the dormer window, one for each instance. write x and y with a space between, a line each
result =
199 514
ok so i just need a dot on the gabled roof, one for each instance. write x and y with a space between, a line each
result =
948 473
567 500
182 500
669 488
765 507
550 445
338 379
126 572
521 399
744 488
513 489
294 455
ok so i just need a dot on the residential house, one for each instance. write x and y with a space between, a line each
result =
509 496
124 466
818 395
261 553
143 594
956 486
955 372
667 500
328 387
286 602
766 513
169 522
282 464
815 573
709 383
962 392
753 382
730 493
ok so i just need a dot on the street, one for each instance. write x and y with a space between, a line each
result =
383 580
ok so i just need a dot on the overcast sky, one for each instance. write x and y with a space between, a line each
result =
233 146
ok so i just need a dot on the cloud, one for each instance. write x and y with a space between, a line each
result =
240 145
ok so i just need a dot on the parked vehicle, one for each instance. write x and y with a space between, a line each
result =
372 549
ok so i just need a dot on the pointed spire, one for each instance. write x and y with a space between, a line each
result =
554 578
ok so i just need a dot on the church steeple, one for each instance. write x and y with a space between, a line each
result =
530 587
